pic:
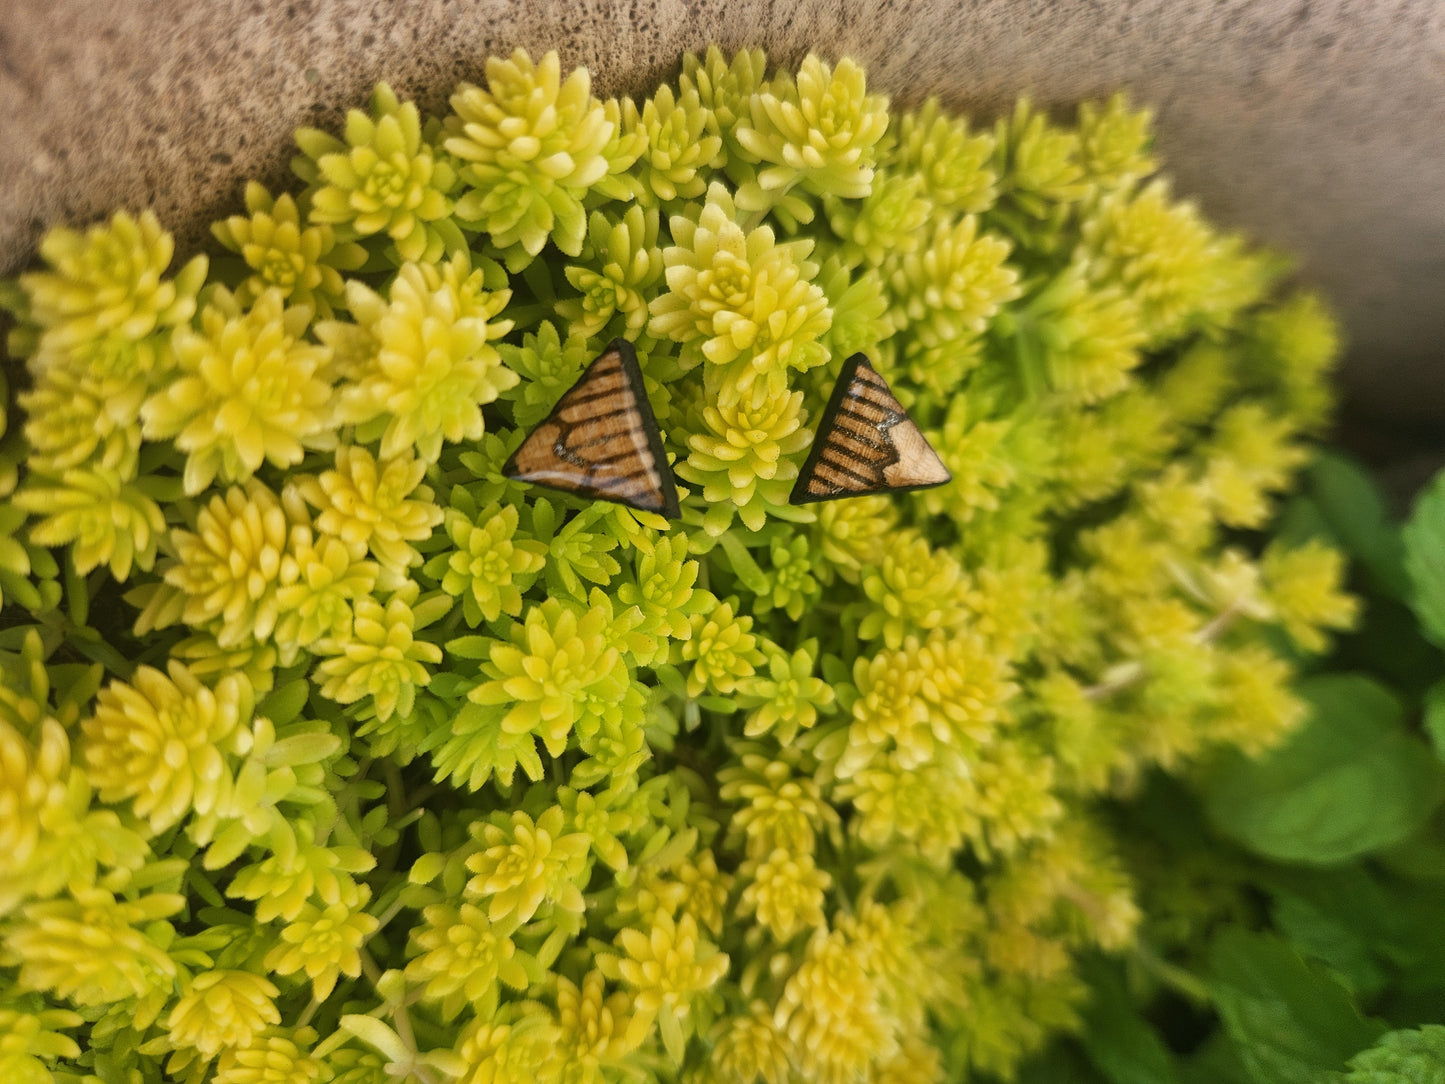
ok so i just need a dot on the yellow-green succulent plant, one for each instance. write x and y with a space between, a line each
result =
330 754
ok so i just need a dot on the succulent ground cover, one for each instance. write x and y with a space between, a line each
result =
1290 901
327 753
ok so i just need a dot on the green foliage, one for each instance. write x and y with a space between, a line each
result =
1402 1057
1343 494
304 262
327 754
530 145
740 301
1117 1041
815 133
623 266
1424 542
1295 912
1350 781
386 177
1289 1020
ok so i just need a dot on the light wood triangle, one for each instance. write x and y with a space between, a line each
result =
601 440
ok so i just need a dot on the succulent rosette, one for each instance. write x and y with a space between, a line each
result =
328 753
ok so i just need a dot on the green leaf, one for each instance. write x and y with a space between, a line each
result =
1424 539
1289 1022
470 647
431 609
427 868
303 749
1344 949
447 686
1059 1063
76 589
378 1036
1402 1057
1301 520
18 589
201 885
285 702
228 844
1119 1042
1435 718
1397 919
1216 1062
392 986
445 1062
1390 644
1351 780
1351 504
1421 858
673 1039
743 565
720 704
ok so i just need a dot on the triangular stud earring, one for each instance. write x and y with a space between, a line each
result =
601 440
866 443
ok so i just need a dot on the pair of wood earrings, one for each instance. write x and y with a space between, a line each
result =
602 441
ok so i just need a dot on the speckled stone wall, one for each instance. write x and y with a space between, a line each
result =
1316 125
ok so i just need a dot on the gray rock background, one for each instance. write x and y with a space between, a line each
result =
1316 125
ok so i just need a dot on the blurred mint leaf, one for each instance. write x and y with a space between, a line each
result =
1351 780
1424 539
1118 1041
1059 1063
1289 1021
1343 948
1302 519
1402 1057
1215 1062
1435 718
1351 504
1396 918
1390 645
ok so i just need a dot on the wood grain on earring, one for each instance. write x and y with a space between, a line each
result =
601 440
866 443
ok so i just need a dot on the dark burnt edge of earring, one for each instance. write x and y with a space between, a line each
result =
671 508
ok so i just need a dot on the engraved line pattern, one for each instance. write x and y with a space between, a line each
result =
865 443
859 449
593 444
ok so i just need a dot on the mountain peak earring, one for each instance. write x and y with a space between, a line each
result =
601 440
866 443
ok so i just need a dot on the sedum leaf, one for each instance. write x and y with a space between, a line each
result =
375 1034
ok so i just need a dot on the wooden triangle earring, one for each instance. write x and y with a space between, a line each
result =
601 440
866 443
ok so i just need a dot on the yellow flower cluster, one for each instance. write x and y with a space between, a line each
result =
329 755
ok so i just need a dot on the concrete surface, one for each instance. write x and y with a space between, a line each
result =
1317 125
